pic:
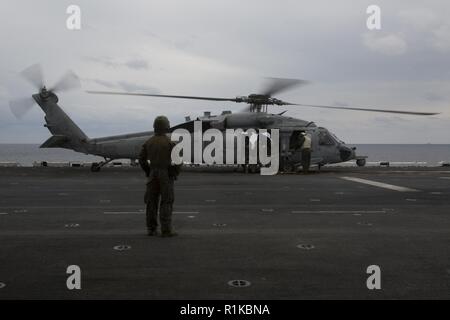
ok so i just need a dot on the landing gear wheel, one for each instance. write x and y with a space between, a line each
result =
288 168
361 162
95 167
253 168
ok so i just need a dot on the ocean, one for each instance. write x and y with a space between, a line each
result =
432 154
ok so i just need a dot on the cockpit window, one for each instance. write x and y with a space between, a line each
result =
337 139
325 139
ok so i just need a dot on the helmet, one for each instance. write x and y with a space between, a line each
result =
161 124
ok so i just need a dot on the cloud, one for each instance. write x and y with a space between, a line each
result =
389 121
104 60
133 87
135 64
3 92
124 85
419 18
441 38
429 25
104 83
433 97
391 44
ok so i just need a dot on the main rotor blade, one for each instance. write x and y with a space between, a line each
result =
161 96
277 85
34 75
20 107
68 82
365 109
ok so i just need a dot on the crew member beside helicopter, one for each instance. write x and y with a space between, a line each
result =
305 142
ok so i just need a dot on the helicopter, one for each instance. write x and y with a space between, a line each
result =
327 148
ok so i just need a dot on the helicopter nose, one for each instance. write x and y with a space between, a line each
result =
346 153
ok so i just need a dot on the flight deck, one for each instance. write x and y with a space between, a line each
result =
290 236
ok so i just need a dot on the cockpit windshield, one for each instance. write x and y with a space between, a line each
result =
336 138
327 139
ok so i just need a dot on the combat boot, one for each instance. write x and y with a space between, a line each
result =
168 234
152 232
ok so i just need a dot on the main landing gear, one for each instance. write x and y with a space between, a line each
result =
96 166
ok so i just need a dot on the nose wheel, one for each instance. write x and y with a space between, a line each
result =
361 162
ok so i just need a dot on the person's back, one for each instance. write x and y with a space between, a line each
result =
306 142
160 191
158 151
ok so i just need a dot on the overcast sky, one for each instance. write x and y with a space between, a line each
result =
225 48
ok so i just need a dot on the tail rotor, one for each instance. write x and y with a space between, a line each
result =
34 75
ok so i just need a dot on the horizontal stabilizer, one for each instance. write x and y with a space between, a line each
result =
56 141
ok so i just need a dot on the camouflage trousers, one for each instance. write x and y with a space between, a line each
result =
306 159
159 195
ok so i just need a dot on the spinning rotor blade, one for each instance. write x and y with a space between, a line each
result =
20 107
162 96
68 82
365 109
34 75
277 85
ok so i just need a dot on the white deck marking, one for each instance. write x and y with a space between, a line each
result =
380 184
3 213
444 177
142 212
123 212
185 212
340 211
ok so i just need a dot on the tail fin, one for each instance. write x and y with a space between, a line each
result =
66 134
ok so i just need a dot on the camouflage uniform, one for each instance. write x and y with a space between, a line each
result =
160 191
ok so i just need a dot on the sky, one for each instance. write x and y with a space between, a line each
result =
226 49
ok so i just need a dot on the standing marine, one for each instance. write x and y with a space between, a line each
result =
155 160
305 140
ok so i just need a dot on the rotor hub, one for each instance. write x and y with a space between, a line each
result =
44 93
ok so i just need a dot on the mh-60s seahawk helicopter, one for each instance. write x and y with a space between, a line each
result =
326 147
